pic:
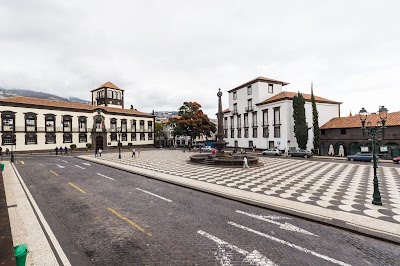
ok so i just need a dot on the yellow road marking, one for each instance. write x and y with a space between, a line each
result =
22 162
130 222
54 172
78 188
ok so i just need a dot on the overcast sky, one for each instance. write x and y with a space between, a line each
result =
166 52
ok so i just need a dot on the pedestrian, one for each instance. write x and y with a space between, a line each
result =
7 152
138 152
66 150
56 149
245 163
100 151
95 152
1 151
133 152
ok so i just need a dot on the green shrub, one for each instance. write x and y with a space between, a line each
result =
72 146
89 145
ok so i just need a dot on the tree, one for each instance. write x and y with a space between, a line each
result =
158 131
316 130
191 121
300 125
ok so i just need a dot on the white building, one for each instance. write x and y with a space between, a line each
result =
41 124
261 114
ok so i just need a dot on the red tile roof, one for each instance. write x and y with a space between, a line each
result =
37 102
288 95
393 119
108 84
260 79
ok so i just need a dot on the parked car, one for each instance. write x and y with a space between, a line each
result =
366 157
207 148
300 153
274 152
396 160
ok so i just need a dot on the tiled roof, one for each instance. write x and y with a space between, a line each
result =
288 95
37 102
393 119
109 84
262 79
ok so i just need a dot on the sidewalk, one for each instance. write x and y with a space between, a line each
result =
337 194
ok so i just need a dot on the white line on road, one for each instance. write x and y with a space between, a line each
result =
41 164
289 244
105 176
154 195
80 166
64 161
255 257
285 226
88 164
60 166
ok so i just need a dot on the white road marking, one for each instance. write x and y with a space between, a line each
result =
254 258
80 166
88 164
154 195
105 176
64 161
289 244
60 166
285 226
41 164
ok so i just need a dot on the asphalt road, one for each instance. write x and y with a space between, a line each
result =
111 217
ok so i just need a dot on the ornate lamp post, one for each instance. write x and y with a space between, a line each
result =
373 132
12 143
119 142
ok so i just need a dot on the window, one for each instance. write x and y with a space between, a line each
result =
277 122
225 133
114 95
82 137
239 135
246 120
322 131
8 120
67 138
343 131
255 119
232 123
133 126
113 136
265 118
133 137
141 127
270 88
239 121
150 136
109 94
249 90
235 108
265 132
113 125
124 137
8 139
234 95
232 133
246 132
123 125
30 122
67 123
255 132
150 126
251 144
225 123
249 105
50 138
82 124
99 123
142 137
30 138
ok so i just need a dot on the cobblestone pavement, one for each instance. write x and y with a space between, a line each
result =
333 185
119 218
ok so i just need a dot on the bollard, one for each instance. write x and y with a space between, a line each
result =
2 167
20 253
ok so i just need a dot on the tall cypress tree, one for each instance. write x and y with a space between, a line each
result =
300 125
316 130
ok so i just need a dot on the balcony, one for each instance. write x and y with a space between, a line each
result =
234 112
249 109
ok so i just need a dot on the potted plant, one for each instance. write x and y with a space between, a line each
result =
73 147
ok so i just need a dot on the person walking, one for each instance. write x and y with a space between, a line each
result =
133 152
245 162
100 151
56 149
66 150
95 152
7 152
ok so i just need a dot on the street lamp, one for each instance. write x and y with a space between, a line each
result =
119 142
12 144
373 132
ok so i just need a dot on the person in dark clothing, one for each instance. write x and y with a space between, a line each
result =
95 152
66 150
56 149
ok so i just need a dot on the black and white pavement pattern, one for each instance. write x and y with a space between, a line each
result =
333 185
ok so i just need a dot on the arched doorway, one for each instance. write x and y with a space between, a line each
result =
337 146
99 142
354 148
393 149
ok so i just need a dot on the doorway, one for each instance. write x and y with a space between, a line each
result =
99 142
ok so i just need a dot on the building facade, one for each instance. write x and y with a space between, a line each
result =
260 114
39 124
346 131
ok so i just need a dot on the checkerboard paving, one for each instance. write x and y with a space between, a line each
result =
337 186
